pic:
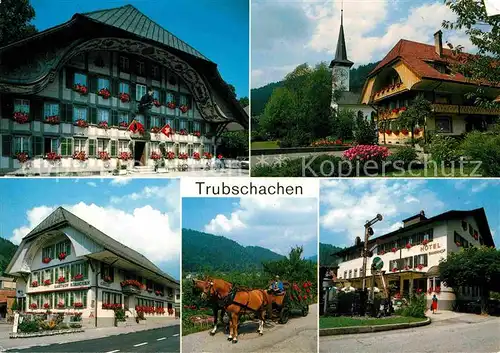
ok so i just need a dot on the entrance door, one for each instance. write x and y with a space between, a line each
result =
139 152
126 299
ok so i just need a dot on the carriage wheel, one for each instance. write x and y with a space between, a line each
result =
284 315
305 310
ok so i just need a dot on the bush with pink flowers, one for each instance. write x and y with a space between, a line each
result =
365 153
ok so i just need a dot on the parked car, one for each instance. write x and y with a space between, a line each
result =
493 307
245 163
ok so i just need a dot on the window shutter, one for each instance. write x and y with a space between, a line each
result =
36 109
7 107
116 87
93 115
84 299
190 126
176 124
68 107
37 142
163 96
70 77
7 145
114 118
132 92
202 126
113 148
85 270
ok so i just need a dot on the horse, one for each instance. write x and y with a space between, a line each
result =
215 303
239 301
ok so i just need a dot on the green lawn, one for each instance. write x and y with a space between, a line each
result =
342 321
441 172
264 145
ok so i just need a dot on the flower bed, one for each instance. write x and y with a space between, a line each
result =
366 153
45 333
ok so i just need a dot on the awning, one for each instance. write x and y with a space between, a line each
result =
433 271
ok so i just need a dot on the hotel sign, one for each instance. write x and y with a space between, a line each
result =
433 248
72 284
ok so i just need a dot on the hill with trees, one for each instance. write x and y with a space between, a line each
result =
203 251
325 254
260 96
7 251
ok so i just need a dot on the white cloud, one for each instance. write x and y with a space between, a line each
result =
145 229
348 204
271 222
120 181
307 31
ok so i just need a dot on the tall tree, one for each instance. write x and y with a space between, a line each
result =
15 18
415 115
484 33
243 101
473 267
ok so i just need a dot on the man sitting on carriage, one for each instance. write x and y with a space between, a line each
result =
277 286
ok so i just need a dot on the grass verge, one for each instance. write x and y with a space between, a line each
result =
342 321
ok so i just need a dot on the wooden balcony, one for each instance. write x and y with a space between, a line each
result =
129 289
464 109
389 91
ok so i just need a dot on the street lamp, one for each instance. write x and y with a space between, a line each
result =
368 233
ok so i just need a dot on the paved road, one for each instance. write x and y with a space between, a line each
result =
298 335
158 340
474 334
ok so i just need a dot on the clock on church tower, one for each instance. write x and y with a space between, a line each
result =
341 78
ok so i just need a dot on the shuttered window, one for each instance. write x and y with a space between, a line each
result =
92 151
66 146
7 145
113 148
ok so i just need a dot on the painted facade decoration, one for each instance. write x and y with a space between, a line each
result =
72 104
411 255
64 265
412 69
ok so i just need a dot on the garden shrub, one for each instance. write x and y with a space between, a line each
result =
417 306
120 315
75 325
364 131
444 149
62 326
29 326
484 147
406 155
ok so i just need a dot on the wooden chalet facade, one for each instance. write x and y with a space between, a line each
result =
69 94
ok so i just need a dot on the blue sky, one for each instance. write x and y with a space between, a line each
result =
347 204
143 214
274 223
218 29
286 34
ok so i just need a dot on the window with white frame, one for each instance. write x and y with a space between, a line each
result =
111 298
197 126
350 273
47 299
123 146
63 272
80 145
35 277
63 246
80 79
50 109
155 146
355 272
156 94
61 299
22 144
79 113
102 83
190 150
206 147
139 118
22 106
103 115
47 274
48 252
169 122
124 87
170 97
140 90
183 124
183 148
79 297
102 145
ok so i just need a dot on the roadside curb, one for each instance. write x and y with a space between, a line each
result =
368 329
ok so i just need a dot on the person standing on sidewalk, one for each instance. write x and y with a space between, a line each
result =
434 306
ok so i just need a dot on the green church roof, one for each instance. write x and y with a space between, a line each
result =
129 19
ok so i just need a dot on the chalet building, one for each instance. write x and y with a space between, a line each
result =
412 68
412 253
7 295
69 96
65 265
341 65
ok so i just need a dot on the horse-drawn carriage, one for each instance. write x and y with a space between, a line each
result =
285 303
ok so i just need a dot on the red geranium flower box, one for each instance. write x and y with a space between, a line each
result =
156 103
103 155
207 155
52 120
183 156
46 260
171 105
104 93
408 246
405 132
394 269
78 277
458 244
46 306
394 249
396 132
81 156
61 279
388 131
34 284
170 155
21 118
402 109
78 305
33 306
155 156
124 97
219 156
197 133
158 292
183 132
60 305
81 123
420 266
196 156
425 242
83 90
47 282
62 255
125 156
123 124
184 108
103 125
22 157
52 156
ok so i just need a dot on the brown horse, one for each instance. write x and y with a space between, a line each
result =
240 301
214 301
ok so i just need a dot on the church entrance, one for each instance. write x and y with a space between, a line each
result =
139 158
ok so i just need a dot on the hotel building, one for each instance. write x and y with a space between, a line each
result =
412 253
412 69
69 94
65 265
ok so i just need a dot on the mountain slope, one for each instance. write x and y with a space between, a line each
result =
202 251
260 96
325 254
7 251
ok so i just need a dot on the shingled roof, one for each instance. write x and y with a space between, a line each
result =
129 19
417 56
61 218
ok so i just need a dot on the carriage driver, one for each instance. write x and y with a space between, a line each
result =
277 285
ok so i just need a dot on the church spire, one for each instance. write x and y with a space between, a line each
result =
341 52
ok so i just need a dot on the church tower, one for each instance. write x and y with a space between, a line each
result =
340 66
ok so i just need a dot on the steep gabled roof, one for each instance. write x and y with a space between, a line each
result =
417 57
341 52
61 218
129 19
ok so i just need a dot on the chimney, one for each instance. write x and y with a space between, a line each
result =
438 42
